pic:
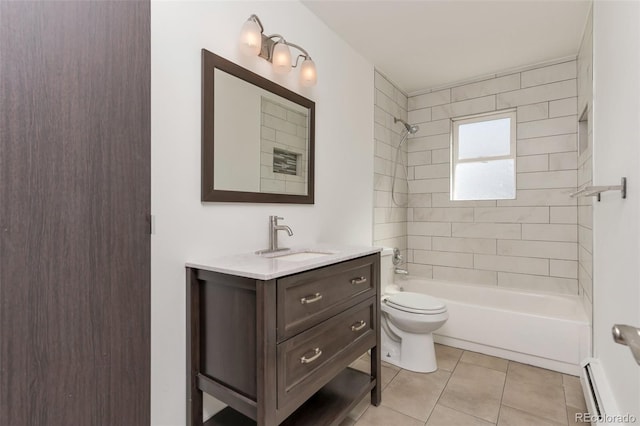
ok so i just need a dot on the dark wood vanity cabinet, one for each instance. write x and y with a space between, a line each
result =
278 351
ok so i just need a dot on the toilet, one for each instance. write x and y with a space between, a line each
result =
408 321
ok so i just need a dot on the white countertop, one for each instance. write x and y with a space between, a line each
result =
260 267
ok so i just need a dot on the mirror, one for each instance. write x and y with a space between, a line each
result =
257 137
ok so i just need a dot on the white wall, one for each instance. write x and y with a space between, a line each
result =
187 228
616 230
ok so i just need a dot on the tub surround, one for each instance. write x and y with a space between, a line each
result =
266 267
390 220
528 243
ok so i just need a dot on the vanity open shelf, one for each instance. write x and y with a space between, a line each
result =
276 350
329 406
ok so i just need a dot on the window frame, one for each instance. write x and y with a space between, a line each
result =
470 119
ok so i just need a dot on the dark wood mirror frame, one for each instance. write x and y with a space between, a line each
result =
210 62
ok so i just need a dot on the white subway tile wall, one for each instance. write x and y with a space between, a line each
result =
532 242
282 130
390 220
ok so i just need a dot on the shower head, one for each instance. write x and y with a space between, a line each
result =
411 128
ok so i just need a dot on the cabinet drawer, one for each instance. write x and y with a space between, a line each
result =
309 360
308 298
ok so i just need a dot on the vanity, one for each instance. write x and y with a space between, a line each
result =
273 337
272 334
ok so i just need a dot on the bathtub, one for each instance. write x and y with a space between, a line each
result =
545 330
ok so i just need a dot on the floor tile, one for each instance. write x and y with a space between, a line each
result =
384 416
485 361
568 380
471 389
447 357
359 409
512 417
388 374
445 416
415 394
573 395
388 371
391 366
542 400
347 422
475 390
367 358
361 365
573 419
535 375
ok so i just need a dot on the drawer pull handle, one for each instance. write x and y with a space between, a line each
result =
310 299
359 280
316 354
360 325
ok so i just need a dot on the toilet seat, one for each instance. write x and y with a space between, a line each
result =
416 303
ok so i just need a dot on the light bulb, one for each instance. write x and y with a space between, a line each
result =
308 74
281 58
250 38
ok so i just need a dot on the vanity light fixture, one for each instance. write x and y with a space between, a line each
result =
275 49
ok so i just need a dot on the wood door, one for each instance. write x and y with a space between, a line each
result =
74 206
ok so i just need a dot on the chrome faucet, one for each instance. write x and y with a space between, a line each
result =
397 261
273 235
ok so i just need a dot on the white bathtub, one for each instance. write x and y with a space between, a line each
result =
549 331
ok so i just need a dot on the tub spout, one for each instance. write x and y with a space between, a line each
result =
401 271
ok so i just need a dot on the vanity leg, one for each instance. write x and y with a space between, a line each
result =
376 369
266 348
376 392
194 394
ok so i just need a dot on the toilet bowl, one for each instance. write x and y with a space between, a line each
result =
408 321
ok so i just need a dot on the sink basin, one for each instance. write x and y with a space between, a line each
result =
302 256
298 255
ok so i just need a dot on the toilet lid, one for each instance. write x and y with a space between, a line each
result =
416 302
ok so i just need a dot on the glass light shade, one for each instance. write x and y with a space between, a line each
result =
250 38
281 58
308 74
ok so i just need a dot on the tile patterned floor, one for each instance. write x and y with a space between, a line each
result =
471 389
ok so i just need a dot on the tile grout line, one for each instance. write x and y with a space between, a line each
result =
509 372
564 398
536 415
445 385
454 369
503 390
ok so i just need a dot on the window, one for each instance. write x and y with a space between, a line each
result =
483 165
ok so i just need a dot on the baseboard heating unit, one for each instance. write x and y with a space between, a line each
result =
597 393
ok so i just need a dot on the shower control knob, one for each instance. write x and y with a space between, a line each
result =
397 257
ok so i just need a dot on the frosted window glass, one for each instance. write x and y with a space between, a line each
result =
490 138
485 180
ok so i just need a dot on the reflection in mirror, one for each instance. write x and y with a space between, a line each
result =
261 139
257 138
